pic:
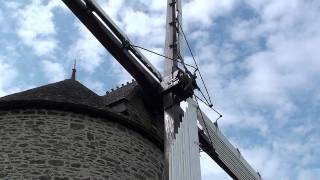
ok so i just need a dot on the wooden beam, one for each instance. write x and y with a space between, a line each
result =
114 41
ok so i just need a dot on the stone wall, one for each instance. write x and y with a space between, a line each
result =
57 145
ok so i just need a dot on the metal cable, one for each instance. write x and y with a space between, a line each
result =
204 122
220 115
163 56
207 102
195 62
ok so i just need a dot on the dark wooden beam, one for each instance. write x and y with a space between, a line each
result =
118 49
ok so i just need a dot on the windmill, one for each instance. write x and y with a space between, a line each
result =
183 135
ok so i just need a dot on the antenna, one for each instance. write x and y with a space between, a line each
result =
73 76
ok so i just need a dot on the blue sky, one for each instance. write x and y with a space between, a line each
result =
260 59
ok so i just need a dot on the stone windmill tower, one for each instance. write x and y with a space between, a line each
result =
65 131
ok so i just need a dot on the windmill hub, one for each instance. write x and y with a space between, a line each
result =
182 85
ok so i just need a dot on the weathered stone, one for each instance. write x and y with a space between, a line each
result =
3 174
109 159
56 162
44 178
29 112
76 165
91 147
40 161
61 178
67 146
139 176
3 113
100 161
77 138
29 122
40 123
43 145
41 112
52 113
35 173
125 150
75 126
90 136
50 141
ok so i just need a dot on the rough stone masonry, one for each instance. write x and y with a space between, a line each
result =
60 145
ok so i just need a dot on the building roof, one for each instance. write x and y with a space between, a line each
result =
68 90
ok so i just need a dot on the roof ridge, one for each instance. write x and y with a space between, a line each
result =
67 90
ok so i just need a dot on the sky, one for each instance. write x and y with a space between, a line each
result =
259 59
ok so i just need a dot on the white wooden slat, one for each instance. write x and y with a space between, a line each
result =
185 157
226 151
194 145
229 158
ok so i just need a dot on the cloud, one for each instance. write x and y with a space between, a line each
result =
53 71
286 152
202 12
210 170
267 163
264 78
142 25
96 86
91 53
87 50
276 70
270 75
309 174
148 31
8 75
36 27
2 20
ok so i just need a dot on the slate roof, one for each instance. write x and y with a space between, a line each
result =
70 91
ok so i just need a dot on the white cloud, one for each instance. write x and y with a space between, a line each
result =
289 62
142 24
210 170
119 72
265 78
202 12
90 52
36 27
309 174
113 8
87 50
157 5
96 86
267 162
57 4
2 20
148 31
8 75
53 71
